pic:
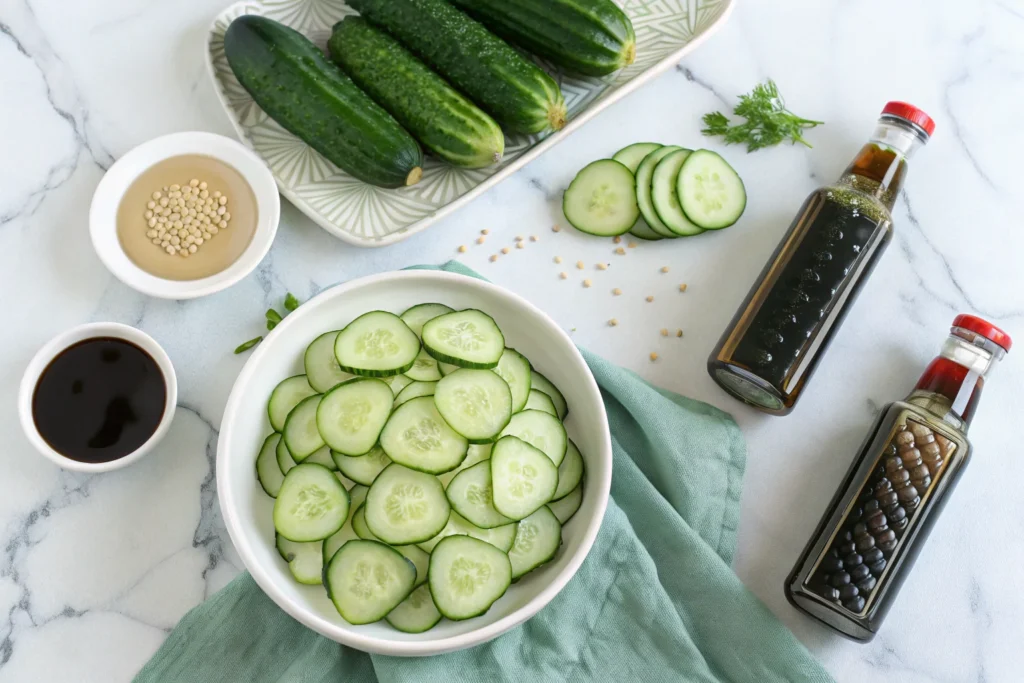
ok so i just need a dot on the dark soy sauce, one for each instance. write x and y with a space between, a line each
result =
99 400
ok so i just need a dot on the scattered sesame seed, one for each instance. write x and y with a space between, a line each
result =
534 238
631 245
579 265
480 240
485 231
650 299
558 259
613 322
679 333
616 239
494 257
682 287
602 266
519 245
616 291
556 228
664 332
586 283
504 250
462 249
664 269
563 275
654 356
519 238
620 251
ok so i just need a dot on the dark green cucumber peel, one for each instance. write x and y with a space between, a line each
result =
444 121
295 84
517 93
589 37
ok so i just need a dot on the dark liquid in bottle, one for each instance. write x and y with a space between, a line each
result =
99 400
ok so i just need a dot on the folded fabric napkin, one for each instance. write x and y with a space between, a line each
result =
654 601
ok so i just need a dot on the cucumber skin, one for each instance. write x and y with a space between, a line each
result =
444 121
517 93
292 81
589 37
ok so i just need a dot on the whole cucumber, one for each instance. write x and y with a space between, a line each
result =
292 80
590 37
445 122
517 93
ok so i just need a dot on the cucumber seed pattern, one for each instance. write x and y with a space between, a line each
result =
466 575
520 479
311 503
538 441
471 401
405 503
424 435
370 581
463 336
525 535
377 344
479 495
355 415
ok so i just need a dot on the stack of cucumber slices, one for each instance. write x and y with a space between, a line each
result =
655 191
419 467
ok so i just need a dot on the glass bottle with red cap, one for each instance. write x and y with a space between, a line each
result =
866 543
780 333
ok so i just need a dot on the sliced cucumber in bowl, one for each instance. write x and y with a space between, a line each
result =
475 403
601 200
469 339
376 344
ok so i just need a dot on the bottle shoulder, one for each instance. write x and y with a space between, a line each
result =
857 197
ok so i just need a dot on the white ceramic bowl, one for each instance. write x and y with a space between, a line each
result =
247 509
62 341
116 181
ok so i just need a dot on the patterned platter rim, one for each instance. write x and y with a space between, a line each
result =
575 123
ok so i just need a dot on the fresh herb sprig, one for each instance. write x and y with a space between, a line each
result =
768 122
273 318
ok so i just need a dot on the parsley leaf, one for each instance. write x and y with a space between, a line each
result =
768 122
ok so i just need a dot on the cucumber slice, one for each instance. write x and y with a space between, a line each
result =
415 390
418 437
475 403
710 191
420 559
477 453
542 431
538 400
469 339
311 505
416 316
346 533
366 580
285 461
565 508
515 370
523 478
305 561
500 537
537 539
268 473
300 432
664 198
286 395
362 469
601 199
643 231
351 416
542 383
359 524
376 344
644 174
405 506
467 576
447 368
416 614
570 472
322 456
471 495
322 369
424 368
397 383
631 155
345 481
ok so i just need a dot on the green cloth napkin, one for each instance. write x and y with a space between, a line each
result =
654 601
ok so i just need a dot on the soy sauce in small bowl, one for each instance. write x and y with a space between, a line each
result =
98 397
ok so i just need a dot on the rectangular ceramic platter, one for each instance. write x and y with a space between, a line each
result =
367 216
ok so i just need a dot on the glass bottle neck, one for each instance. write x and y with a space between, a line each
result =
880 167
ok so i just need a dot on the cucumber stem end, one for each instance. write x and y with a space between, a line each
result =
557 115
414 176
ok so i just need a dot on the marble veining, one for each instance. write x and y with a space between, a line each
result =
95 571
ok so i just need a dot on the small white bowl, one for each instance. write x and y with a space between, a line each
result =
116 181
248 511
62 341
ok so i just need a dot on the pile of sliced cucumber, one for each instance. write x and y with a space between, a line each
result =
419 467
655 191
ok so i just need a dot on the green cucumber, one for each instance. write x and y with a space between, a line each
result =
630 156
590 37
710 191
444 121
517 93
602 200
644 173
295 84
664 198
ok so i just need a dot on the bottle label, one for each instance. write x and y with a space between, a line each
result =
857 559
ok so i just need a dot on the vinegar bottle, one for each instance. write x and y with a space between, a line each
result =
866 543
798 302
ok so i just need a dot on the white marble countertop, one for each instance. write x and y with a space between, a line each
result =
95 571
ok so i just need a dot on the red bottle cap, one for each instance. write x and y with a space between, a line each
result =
984 328
912 114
